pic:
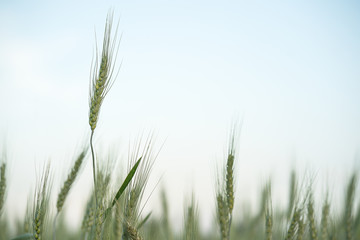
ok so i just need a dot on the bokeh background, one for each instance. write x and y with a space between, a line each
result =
289 71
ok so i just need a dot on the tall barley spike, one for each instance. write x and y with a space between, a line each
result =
268 210
2 185
191 226
101 79
268 215
230 170
69 181
222 216
292 193
293 224
135 189
325 219
165 216
225 183
301 229
311 218
41 205
349 202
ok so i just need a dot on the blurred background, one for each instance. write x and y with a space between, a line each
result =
288 71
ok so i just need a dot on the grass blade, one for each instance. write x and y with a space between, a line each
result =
126 182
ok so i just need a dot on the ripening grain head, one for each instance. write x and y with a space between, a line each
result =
102 76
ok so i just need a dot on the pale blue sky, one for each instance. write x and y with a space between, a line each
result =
290 70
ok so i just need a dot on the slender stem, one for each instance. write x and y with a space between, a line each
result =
93 163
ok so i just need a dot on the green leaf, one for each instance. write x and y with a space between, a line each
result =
126 182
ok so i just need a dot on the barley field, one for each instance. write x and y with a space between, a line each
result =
115 207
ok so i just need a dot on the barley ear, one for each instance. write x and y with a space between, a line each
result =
101 79
165 216
325 219
222 216
67 186
301 228
191 221
135 188
293 224
230 169
2 185
230 182
311 218
293 192
41 205
268 214
349 202
70 180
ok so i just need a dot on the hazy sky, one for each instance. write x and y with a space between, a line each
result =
290 70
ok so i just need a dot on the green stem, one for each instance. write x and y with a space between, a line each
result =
94 172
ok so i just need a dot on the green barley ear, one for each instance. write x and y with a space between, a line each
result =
88 218
101 80
225 193
41 205
292 193
135 189
2 185
293 227
191 221
357 222
67 186
165 215
230 170
311 218
301 228
268 214
349 202
102 77
70 180
222 216
325 218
